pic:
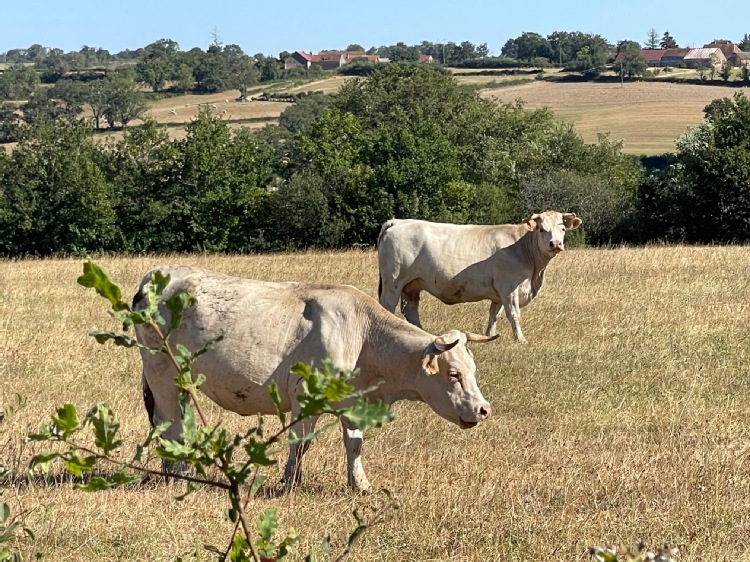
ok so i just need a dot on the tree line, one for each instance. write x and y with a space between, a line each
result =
408 142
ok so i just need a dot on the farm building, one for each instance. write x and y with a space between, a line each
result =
705 58
726 47
673 57
326 60
739 60
652 56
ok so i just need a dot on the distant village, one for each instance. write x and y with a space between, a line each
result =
711 55
330 60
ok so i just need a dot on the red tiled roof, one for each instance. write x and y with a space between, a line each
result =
653 54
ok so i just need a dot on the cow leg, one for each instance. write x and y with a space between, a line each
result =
495 309
389 297
356 477
161 401
410 294
293 470
513 312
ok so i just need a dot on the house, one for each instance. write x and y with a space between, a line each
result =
726 47
739 60
652 56
705 58
298 59
673 57
425 58
326 60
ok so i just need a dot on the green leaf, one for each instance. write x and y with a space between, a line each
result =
177 304
65 422
77 465
4 512
257 453
267 524
95 277
273 390
368 414
238 552
43 461
98 483
155 291
105 426
256 484
103 336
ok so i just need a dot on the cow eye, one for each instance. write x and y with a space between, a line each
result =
454 375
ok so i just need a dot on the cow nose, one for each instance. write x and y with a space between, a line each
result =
556 244
484 412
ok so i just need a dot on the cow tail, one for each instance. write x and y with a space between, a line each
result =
386 225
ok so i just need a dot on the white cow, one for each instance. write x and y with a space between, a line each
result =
465 263
268 327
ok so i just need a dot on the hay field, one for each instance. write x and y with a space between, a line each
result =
625 418
647 116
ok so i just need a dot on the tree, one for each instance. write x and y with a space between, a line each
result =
532 45
652 39
56 198
157 65
124 101
713 166
726 71
270 69
354 47
9 120
667 41
482 50
632 63
18 82
744 44
243 73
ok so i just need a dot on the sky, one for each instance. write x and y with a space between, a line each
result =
272 27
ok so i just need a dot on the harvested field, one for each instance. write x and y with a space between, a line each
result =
648 117
624 419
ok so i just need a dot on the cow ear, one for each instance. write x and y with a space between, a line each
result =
571 221
430 363
532 223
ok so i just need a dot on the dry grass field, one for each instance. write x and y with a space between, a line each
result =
647 116
624 418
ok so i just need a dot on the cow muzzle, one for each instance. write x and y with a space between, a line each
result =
483 412
556 246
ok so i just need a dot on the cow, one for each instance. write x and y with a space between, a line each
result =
466 263
268 327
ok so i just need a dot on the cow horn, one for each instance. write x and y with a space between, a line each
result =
441 345
479 338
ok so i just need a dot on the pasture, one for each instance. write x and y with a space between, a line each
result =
647 116
623 419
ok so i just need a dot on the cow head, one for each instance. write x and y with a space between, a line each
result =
550 228
448 382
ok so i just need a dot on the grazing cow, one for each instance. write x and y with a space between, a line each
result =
268 327
465 263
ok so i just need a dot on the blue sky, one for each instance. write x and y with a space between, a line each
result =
270 27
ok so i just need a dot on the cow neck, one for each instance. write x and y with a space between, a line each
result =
538 259
393 354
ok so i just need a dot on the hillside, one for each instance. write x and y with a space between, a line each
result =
646 116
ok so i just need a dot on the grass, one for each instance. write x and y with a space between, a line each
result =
647 116
623 419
